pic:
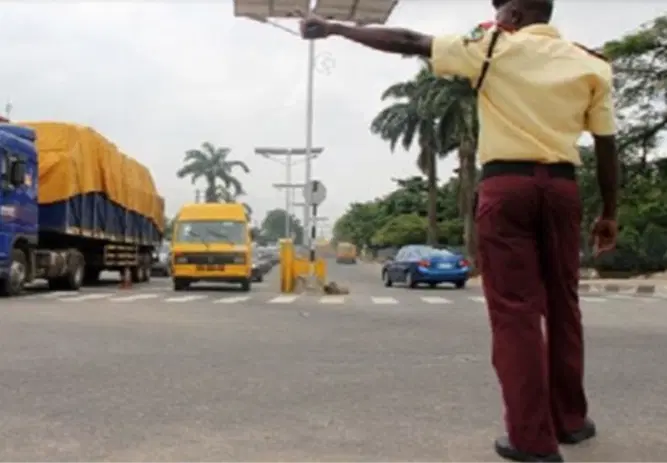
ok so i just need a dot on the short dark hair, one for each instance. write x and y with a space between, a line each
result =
498 3
542 8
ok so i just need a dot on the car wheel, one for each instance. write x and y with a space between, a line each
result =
386 280
409 280
460 284
246 285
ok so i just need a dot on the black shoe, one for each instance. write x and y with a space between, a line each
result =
588 431
505 449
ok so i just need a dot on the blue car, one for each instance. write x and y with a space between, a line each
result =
417 264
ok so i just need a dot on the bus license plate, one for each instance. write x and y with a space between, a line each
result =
210 268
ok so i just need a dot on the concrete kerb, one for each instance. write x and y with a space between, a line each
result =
636 289
619 288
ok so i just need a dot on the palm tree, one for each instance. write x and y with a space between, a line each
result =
406 120
455 104
212 164
442 114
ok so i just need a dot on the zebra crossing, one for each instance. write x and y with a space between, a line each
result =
287 299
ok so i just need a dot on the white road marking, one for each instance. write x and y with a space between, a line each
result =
383 300
136 297
332 300
480 299
283 299
86 297
231 300
184 298
624 297
436 300
58 294
592 299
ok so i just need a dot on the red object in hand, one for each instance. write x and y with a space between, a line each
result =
424 263
464 263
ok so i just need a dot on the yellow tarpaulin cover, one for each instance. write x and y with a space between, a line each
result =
76 160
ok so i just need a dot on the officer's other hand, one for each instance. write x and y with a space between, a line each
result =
313 26
603 236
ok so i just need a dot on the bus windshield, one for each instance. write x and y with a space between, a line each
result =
212 231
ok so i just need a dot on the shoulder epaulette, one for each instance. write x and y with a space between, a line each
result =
487 25
592 52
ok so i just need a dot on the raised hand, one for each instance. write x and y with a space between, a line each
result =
313 26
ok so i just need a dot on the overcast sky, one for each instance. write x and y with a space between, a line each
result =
158 78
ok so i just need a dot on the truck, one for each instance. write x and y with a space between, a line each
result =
71 206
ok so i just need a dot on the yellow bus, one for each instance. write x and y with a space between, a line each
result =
346 253
211 242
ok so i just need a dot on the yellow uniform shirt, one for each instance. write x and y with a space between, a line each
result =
539 94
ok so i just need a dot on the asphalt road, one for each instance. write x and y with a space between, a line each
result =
200 380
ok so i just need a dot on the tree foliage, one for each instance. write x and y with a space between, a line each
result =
400 217
212 164
273 226
440 115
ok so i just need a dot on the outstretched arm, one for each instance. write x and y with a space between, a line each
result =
449 54
387 39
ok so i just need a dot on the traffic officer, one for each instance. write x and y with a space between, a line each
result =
539 93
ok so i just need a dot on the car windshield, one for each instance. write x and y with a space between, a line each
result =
441 253
212 231
424 251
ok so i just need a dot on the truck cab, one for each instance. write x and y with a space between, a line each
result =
19 226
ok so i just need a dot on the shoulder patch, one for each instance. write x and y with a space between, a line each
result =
476 34
592 52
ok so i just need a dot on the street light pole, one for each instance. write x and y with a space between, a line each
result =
289 153
309 128
288 195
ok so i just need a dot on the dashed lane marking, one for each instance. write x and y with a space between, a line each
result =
436 300
283 299
136 297
384 300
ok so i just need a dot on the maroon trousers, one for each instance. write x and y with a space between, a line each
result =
528 232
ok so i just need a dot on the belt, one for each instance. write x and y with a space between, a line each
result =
528 169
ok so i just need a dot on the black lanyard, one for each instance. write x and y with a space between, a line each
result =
487 61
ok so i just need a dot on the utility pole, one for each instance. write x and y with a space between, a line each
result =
197 195
8 109
287 154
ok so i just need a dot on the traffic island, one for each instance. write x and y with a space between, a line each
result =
306 285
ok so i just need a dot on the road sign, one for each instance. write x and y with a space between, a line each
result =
315 193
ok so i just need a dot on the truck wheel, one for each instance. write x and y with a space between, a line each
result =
246 285
135 274
76 272
13 284
147 274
